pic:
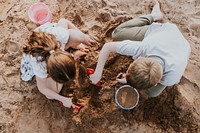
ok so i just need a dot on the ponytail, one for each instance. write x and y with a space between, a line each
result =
60 64
41 44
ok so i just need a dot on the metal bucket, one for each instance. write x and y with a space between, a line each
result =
126 97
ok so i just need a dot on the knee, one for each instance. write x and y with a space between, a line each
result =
115 34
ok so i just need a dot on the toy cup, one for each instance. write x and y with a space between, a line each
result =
126 97
39 13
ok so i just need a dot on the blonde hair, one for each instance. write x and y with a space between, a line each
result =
144 73
60 64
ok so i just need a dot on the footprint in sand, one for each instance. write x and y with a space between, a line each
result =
78 20
195 28
103 16
195 23
12 47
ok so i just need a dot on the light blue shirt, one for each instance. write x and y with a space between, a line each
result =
163 41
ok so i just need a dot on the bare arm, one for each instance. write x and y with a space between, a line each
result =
103 56
42 87
129 48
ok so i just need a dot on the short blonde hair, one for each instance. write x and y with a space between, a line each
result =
144 73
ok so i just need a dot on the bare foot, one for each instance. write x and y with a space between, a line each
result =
156 12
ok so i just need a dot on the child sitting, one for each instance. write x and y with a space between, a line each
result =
160 51
45 57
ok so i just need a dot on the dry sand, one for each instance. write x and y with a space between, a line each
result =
24 110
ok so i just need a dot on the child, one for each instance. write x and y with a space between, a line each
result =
160 51
46 58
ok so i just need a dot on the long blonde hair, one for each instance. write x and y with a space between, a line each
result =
60 64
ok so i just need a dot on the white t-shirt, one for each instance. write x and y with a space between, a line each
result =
61 34
165 43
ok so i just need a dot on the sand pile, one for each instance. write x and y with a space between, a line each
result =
24 109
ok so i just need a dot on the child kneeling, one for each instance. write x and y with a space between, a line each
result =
159 50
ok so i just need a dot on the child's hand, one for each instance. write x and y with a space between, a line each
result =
88 40
94 78
82 47
67 102
78 53
121 78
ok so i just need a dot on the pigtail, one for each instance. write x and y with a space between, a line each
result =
60 64
40 44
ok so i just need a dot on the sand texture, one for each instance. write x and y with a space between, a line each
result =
23 109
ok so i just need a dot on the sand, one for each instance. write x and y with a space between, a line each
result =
23 109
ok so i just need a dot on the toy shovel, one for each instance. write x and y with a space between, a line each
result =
76 107
91 71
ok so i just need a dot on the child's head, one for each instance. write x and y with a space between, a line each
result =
60 64
144 73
